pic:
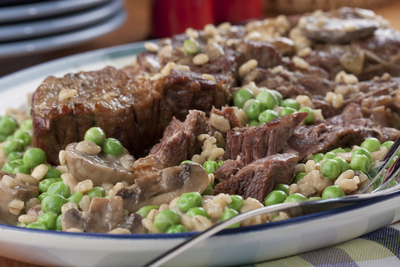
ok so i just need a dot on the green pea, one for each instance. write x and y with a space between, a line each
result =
347 149
113 147
392 162
290 103
330 169
53 203
14 155
58 223
9 166
237 202
166 219
338 150
36 225
10 137
329 155
26 125
187 161
34 157
359 163
60 188
227 214
13 145
318 157
296 197
388 144
267 99
189 200
2 138
191 46
254 123
197 211
42 196
18 161
24 136
210 166
332 191
52 173
21 224
267 116
220 163
21 169
344 166
174 229
75 197
144 211
7 125
371 144
283 187
310 118
287 111
44 184
362 151
253 110
314 198
48 220
275 197
207 191
277 95
95 135
242 96
97 192
299 176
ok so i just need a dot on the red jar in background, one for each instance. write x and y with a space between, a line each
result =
237 11
175 16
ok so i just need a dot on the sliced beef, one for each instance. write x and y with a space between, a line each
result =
345 130
163 186
180 142
258 178
8 193
252 143
228 168
342 25
103 216
136 112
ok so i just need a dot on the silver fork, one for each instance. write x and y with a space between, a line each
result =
298 208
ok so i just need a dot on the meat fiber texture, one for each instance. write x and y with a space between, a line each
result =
258 178
135 112
252 143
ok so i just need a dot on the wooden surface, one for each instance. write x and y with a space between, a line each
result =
136 28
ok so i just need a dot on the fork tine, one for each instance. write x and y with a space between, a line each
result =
393 172
382 164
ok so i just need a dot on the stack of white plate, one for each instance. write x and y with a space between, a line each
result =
39 25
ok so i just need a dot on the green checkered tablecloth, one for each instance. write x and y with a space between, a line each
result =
379 248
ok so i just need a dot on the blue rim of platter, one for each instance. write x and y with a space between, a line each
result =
59 24
121 51
40 10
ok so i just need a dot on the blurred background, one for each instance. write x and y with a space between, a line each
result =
36 31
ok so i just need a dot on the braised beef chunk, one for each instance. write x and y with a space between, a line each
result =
342 25
228 168
11 189
288 83
344 130
265 54
180 142
252 143
258 178
136 112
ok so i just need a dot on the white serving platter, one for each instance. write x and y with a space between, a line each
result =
231 247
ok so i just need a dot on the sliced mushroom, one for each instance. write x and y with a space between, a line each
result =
100 168
164 186
133 223
10 190
339 26
103 216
